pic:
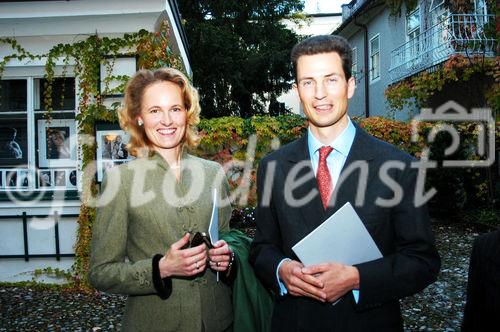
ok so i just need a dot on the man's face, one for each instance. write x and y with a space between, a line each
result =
324 91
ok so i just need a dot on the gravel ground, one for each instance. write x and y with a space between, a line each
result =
438 308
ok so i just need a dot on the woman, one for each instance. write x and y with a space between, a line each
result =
151 206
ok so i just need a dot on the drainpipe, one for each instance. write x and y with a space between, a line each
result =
365 74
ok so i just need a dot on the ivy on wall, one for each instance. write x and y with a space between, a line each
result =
424 85
87 55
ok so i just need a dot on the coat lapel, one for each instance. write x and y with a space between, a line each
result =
359 157
313 212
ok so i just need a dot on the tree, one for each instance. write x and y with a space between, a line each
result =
239 52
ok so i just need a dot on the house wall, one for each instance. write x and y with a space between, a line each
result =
392 34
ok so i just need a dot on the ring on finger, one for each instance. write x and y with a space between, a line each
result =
196 265
218 264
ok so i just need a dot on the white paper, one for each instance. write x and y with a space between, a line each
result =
213 227
342 238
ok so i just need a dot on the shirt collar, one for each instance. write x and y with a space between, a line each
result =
341 144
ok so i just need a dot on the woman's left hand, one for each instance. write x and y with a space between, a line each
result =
220 256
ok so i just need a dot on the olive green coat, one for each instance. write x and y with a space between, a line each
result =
143 210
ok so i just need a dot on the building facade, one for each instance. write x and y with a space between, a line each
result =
390 48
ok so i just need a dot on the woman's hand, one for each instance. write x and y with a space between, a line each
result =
183 262
220 256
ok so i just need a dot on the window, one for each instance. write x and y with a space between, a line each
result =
354 68
36 154
375 58
413 34
480 7
436 4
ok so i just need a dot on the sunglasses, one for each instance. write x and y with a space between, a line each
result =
199 238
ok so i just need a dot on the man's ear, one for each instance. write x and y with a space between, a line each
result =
351 87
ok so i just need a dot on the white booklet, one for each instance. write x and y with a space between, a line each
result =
213 227
342 238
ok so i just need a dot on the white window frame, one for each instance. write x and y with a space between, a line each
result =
370 60
30 74
354 67
413 34
435 4
484 7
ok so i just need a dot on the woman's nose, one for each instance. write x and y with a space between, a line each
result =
166 118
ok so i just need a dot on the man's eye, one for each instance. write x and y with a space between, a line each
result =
307 83
154 110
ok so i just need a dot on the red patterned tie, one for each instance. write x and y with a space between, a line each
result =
323 176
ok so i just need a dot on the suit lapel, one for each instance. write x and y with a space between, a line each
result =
360 156
313 212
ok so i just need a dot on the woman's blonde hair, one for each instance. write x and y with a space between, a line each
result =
139 144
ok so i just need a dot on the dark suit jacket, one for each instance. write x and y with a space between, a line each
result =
402 233
482 309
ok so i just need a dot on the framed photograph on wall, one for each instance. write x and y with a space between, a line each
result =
11 179
57 143
23 178
13 142
111 150
57 178
45 178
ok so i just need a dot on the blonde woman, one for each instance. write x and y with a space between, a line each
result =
154 204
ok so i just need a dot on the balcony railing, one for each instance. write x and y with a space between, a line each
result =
454 34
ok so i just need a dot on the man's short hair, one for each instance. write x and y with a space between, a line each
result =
324 44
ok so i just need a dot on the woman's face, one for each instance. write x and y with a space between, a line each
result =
164 115
57 138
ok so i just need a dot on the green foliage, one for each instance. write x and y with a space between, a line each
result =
395 6
227 140
241 58
53 272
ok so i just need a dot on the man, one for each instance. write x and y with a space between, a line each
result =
303 183
483 286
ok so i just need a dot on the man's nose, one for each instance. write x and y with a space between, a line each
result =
320 91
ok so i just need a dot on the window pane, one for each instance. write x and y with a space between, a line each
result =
63 93
13 141
354 68
374 45
413 20
13 96
376 66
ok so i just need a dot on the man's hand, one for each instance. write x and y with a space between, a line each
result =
300 284
337 279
